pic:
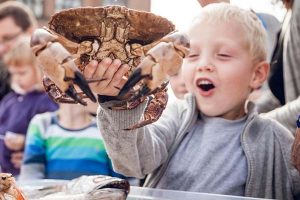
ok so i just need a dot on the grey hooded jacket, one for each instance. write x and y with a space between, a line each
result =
147 151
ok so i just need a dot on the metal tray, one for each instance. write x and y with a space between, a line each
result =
141 193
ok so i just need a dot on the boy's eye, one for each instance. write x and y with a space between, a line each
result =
192 55
223 55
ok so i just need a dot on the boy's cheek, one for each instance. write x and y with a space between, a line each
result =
189 85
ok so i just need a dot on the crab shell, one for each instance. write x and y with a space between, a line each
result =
113 31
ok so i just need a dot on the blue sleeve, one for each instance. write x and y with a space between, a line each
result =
34 146
34 159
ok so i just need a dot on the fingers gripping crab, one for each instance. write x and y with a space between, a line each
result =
144 41
8 188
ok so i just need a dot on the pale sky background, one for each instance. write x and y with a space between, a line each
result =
181 12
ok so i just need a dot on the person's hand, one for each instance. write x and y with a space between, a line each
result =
14 141
16 159
112 74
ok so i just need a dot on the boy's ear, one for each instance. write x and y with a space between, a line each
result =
260 74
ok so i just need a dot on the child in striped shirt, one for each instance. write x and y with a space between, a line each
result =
64 145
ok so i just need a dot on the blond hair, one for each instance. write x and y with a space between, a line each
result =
20 54
251 26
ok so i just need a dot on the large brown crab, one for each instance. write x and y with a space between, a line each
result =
143 40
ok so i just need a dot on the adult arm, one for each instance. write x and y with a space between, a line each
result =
291 56
287 115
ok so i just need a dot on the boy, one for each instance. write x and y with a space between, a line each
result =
177 83
64 145
20 105
212 142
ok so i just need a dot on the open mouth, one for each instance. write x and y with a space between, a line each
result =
205 85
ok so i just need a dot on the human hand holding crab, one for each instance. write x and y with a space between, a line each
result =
141 41
110 72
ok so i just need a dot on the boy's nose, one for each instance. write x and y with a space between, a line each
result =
205 67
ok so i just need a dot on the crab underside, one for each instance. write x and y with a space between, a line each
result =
143 40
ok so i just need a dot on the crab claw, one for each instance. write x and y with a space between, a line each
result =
58 65
83 85
161 61
133 80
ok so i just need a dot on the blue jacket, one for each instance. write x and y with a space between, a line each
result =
16 111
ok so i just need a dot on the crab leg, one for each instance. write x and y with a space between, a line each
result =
57 64
161 61
155 107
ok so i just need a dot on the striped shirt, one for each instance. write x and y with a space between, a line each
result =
54 152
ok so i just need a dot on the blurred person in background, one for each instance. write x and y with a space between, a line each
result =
272 27
282 102
17 108
177 85
65 144
4 80
16 19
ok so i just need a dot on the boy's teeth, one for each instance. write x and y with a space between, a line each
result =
205 82
205 85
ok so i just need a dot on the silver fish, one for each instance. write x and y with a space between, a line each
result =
97 187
